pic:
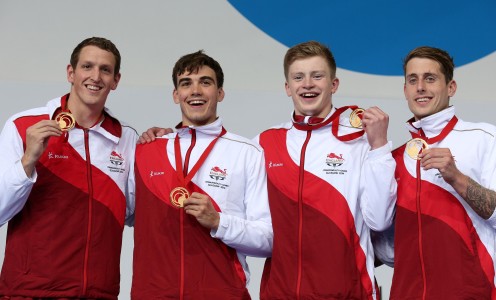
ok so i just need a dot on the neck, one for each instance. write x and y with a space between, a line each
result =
86 116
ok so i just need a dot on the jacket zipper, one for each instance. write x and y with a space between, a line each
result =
181 217
300 211
419 220
90 208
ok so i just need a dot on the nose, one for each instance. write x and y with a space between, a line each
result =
196 89
95 75
420 86
308 83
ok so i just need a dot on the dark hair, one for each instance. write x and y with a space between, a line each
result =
101 43
436 54
306 50
192 62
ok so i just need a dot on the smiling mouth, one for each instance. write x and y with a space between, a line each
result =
93 87
422 100
196 102
309 95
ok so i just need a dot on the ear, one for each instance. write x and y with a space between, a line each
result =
220 95
117 78
175 96
288 90
70 74
452 88
335 85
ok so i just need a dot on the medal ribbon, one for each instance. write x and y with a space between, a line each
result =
350 136
309 126
63 109
447 129
335 125
181 175
421 135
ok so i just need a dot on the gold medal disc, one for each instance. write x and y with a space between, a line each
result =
178 195
415 146
66 121
356 118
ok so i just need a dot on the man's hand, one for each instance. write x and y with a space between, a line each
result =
443 160
37 137
481 199
150 135
200 206
375 123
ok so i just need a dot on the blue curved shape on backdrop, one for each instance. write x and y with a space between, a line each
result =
374 36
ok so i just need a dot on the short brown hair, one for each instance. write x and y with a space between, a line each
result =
101 43
306 50
193 62
442 57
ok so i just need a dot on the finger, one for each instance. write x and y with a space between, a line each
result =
163 131
154 132
373 112
43 133
168 130
143 139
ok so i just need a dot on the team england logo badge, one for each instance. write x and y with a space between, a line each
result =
116 159
218 173
334 160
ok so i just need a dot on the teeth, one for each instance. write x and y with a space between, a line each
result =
422 99
197 102
309 95
93 87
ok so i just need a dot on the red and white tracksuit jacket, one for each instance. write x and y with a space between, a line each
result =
174 256
442 248
325 196
66 222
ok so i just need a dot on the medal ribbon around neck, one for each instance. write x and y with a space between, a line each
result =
336 114
180 193
66 119
420 142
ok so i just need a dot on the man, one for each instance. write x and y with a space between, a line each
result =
445 225
201 198
66 187
329 186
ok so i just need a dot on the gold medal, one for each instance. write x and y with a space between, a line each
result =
356 118
415 146
66 121
178 195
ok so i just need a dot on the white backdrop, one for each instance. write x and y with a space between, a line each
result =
37 37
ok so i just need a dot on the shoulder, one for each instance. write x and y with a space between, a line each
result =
276 128
241 142
485 130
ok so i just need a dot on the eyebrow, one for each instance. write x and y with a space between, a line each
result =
92 63
187 79
311 72
422 75
207 78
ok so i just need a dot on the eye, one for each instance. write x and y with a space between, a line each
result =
412 80
185 83
297 77
85 66
318 76
430 79
206 82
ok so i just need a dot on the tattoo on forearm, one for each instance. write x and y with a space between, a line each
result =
481 199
